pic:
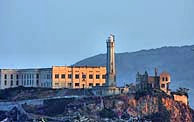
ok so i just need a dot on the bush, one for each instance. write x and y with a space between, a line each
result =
107 113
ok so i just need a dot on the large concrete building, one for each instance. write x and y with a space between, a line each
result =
78 76
10 78
55 77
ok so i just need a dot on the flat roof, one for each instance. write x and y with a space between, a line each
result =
81 66
28 69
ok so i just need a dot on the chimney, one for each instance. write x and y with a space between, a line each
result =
156 72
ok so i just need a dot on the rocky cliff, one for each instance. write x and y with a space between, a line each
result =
151 105
138 106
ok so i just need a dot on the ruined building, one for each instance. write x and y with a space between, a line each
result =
145 82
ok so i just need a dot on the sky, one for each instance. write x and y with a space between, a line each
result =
42 33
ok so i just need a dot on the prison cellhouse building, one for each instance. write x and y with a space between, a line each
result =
55 77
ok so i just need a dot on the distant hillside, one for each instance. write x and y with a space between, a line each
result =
178 61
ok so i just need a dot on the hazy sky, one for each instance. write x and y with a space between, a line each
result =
42 33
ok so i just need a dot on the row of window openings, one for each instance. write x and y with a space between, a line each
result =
5 76
77 76
78 84
164 85
28 76
11 83
23 76
165 79
30 82
23 82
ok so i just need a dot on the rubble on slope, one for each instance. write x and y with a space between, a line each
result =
25 93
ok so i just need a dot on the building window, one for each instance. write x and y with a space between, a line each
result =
97 76
17 82
90 76
90 84
11 82
163 85
63 76
97 84
37 82
56 75
76 84
103 76
163 79
166 78
76 76
69 84
37 76
17 76
69 76
84 76
56 84
11 76
5 76
167 86
5 82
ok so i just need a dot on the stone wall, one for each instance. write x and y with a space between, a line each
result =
181 98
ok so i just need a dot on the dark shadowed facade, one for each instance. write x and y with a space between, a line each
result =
146 82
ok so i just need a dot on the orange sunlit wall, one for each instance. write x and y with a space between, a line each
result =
78 76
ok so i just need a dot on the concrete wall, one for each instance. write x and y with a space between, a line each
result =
9 78
165 82
77 74
46 78
181 98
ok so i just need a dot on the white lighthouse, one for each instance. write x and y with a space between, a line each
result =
110 62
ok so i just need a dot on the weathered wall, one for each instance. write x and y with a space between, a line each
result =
86 82
181 98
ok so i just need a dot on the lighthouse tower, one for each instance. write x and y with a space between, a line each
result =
110 62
